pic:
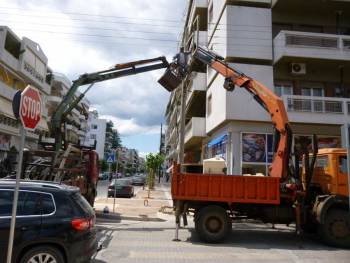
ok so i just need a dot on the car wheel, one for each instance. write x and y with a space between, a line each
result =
44 254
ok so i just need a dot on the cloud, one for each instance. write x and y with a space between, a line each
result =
86 43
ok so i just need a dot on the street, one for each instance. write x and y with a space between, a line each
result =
138 240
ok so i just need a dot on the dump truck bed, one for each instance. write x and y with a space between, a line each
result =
225 188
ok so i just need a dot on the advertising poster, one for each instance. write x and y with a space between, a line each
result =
329 142
5 142
253 148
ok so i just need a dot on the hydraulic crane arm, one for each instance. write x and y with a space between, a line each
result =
266 98
69 102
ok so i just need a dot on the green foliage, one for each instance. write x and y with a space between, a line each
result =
153 162
103 165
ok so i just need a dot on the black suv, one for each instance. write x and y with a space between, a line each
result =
54 223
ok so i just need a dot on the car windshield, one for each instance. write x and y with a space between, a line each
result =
121 182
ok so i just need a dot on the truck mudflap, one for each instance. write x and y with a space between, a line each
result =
325 202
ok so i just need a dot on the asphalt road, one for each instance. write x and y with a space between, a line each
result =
139 241
102 188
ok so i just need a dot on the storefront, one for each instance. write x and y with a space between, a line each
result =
217 147
257 154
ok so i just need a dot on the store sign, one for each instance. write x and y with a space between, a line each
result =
31 70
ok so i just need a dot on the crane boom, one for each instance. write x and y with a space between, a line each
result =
265 97
69 102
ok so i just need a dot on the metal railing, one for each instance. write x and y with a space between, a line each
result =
316 104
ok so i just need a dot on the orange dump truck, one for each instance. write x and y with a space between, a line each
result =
315 198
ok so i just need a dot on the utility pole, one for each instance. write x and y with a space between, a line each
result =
180 158
160 150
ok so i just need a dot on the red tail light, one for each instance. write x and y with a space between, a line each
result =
81 224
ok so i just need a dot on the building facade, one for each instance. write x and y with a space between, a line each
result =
299 52
22 62
96 133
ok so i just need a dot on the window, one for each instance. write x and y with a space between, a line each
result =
94 126
283 89
209 104
93 136
12 45
47 204
28 203
322 162
343 164
6 198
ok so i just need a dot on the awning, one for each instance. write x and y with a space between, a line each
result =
217 140
6 108
42 125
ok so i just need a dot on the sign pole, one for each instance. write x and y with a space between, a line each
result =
15 197
115 186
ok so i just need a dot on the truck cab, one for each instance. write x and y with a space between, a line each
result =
330 175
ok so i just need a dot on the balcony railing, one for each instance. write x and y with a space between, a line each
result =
317 104
313 45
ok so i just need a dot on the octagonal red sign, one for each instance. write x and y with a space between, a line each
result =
30 108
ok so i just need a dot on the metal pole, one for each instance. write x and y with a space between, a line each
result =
15 197
182 127
347 139
115 186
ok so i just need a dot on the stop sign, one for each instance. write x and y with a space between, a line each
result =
30 108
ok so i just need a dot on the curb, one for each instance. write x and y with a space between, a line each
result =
115 217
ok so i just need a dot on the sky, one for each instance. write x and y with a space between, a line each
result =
80 36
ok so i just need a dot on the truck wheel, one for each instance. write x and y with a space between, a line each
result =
336 229
213 225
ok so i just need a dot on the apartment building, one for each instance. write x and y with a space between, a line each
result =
96 133
299 49
22 62
76 123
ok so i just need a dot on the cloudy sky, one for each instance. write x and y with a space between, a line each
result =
81 36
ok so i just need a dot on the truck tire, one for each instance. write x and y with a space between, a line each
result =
213 224
335 230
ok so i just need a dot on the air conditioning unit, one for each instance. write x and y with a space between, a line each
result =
298 68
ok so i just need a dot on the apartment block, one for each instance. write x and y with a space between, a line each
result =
76 123
96 133
299 49
22 62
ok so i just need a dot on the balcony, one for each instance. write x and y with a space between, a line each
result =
324 110
199 7
195 131
294 44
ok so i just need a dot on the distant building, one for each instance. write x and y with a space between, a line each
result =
96 133
76 121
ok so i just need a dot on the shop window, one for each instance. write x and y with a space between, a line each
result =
12 45
256 152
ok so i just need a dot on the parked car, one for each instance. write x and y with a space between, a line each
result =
103 176
121 188
54 223
138 180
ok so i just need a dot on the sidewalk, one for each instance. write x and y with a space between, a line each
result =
139 207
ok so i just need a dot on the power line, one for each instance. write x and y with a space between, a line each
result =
89 14
88 27
104 36
98 21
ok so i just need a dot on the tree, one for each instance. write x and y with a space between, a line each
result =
153 162
103 165
117 142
